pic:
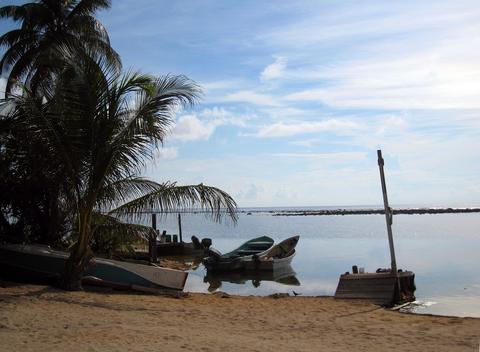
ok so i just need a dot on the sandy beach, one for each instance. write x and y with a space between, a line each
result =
41 318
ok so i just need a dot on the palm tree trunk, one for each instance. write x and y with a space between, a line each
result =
79 257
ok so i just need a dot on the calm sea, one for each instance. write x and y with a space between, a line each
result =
443 250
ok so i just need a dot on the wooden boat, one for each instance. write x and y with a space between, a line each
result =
249 256
386 286
41 263
233 260
276 257
383 287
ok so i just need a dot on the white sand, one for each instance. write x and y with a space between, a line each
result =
39 318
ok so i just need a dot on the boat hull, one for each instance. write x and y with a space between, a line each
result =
264 263
274 258
379 288
42 264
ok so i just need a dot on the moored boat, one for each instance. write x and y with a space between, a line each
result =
278 256
233 260
41 263
254 259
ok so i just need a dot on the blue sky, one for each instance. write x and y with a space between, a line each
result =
299 95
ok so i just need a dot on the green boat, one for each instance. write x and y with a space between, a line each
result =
259 254
42 264
234 260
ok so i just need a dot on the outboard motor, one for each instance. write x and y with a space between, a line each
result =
206 242
196 242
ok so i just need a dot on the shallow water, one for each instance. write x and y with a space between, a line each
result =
443 250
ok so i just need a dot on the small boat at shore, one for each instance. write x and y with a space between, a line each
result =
233 260
43 264
278 256
258 254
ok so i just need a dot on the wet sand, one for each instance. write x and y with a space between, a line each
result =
40 318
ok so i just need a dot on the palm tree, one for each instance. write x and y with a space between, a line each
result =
30 51
105 127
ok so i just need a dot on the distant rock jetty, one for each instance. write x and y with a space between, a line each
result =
409 211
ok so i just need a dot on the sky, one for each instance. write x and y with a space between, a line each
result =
299 95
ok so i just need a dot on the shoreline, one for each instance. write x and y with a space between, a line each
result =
339 211
36 318
405 211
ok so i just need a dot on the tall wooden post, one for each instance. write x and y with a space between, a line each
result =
180 228
152 243
388 212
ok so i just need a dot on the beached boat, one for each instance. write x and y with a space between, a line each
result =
383 287
254 255
41 263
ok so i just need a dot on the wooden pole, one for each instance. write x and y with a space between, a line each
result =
180 227
152 243
154 221
388 213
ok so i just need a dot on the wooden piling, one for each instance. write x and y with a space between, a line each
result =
152 241
180 227
388 212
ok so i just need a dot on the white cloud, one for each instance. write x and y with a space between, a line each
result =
417 82
190 128
202 125
252 97
281 129
274 70
218 85
225 117
391 124
338 23
167 153
326 156
249 192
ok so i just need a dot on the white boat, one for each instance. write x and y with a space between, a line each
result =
277 257
270 257
41 263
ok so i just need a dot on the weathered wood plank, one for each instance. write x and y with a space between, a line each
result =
379 288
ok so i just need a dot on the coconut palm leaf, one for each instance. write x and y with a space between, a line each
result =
110 235
46 25
169 197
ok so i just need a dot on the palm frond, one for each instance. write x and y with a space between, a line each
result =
89 6
110 235
169 197
122 191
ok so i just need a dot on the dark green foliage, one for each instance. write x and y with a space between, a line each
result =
31 50
31 182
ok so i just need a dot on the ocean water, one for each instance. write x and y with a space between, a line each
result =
443 250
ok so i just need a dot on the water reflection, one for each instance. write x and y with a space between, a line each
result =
284 276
